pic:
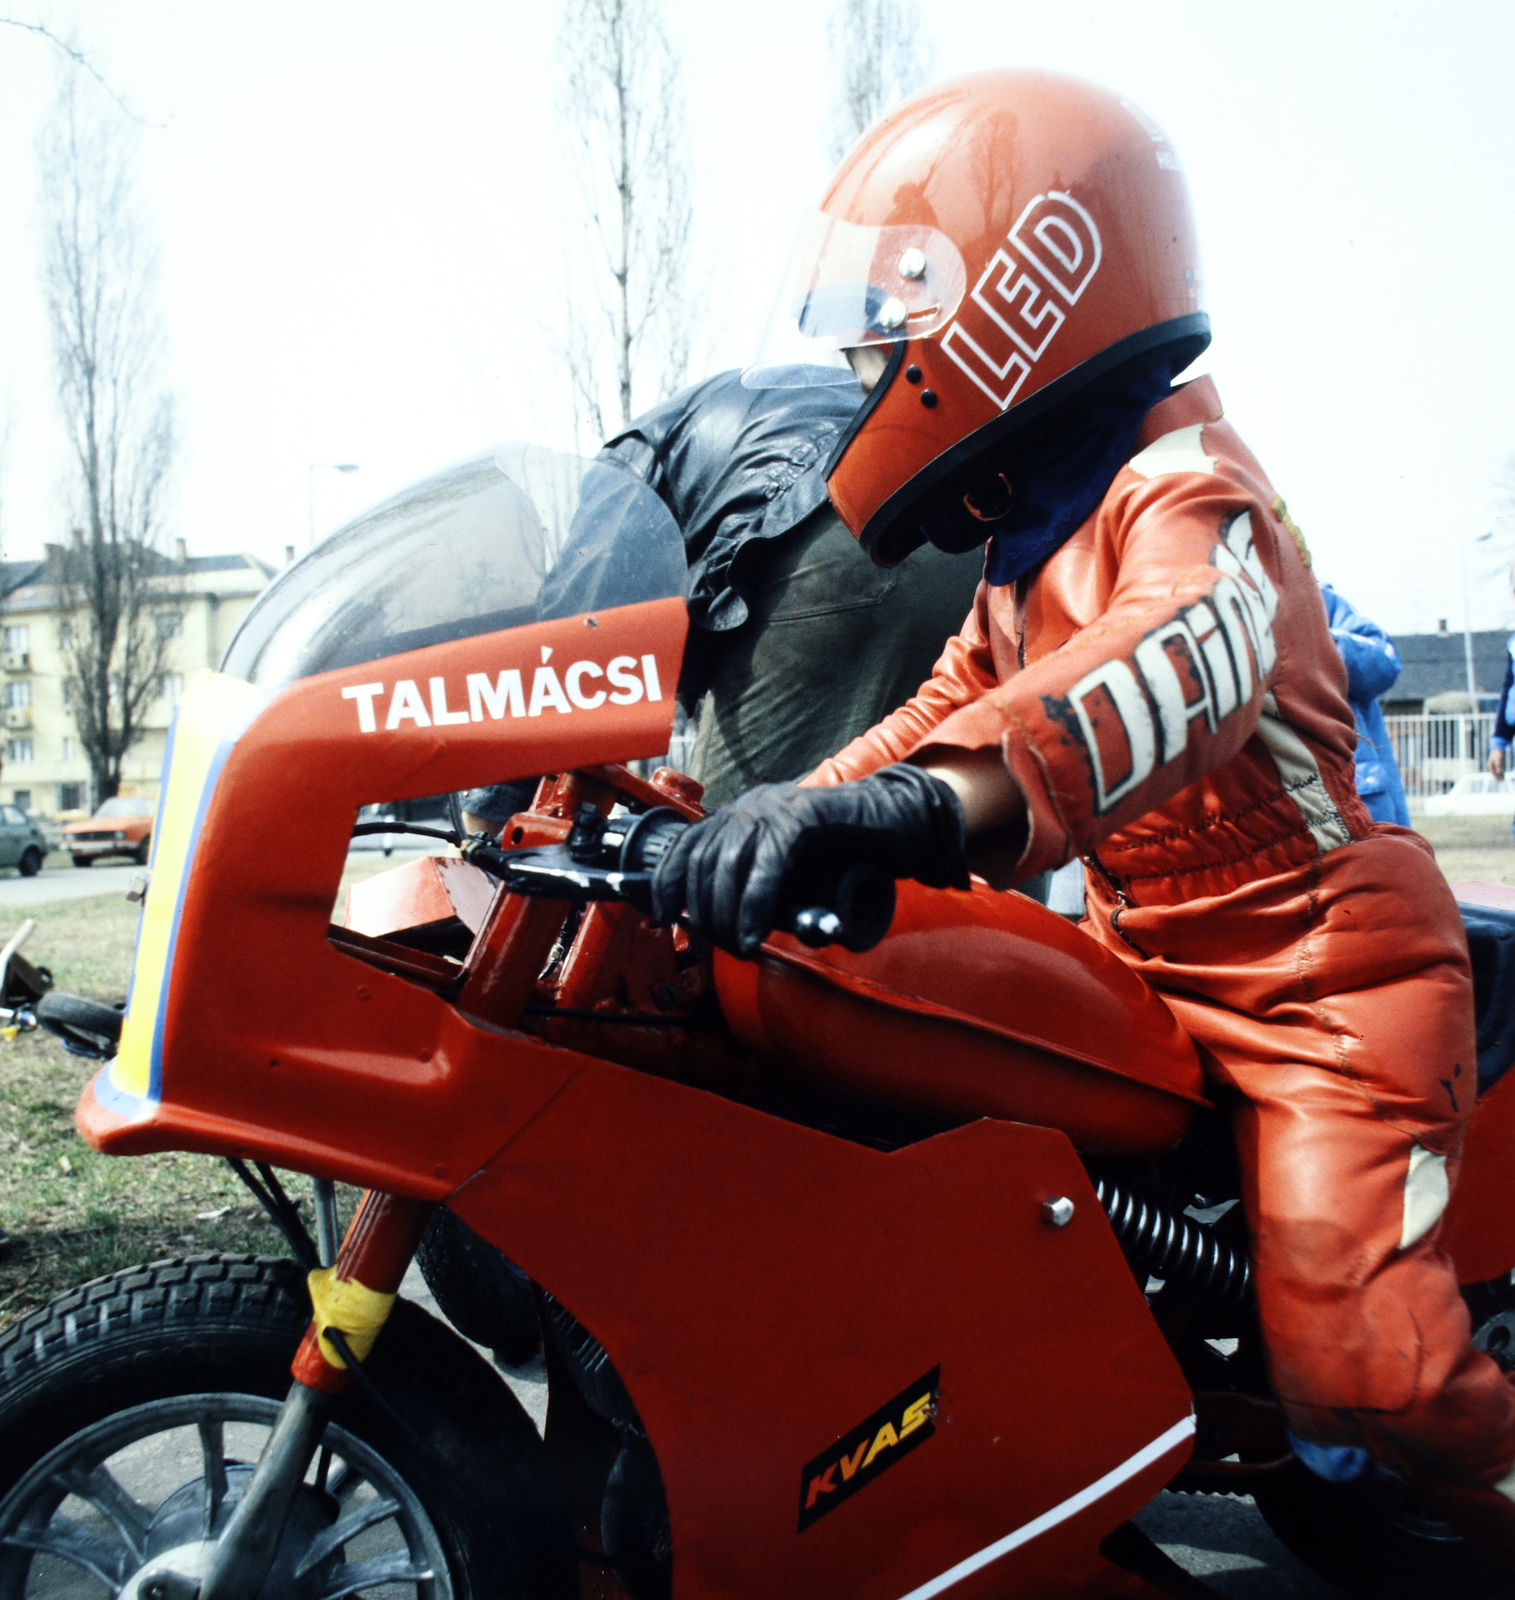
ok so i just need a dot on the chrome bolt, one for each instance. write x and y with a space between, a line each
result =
892 314
1058 1211
913 264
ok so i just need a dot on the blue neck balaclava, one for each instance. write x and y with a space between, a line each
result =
1059 469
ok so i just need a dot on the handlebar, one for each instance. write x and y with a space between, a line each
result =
615 860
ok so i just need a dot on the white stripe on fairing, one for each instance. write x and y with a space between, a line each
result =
1070 1507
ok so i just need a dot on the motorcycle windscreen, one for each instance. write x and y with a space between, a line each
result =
520 536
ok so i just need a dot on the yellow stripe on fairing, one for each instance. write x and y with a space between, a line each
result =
213 712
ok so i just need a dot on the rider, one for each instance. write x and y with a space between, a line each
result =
1146 680
783 605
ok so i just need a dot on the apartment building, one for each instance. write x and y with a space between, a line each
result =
42 765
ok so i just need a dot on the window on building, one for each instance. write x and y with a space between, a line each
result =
170 624
18 750
70 796
23 799
171 686
18 637
65 636
68 747
18 694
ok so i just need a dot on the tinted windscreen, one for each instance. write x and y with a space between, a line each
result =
520 536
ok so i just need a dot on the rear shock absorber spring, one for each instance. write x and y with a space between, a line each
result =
1174 1248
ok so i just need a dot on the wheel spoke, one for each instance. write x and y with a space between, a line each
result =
349 1527
396 1568
107 1496
213 1459
69 1542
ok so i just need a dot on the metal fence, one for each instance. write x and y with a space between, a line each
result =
1434 752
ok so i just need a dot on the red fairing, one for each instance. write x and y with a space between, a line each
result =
276 1041
977 1004
764 1288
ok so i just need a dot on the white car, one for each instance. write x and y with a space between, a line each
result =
1475 794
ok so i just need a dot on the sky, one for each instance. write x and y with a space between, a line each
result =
361 211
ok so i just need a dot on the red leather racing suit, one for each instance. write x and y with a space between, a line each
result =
1167 695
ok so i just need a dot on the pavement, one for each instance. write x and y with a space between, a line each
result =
53 884
1223 1540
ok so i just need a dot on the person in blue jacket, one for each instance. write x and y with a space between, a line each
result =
1504 719
1372 668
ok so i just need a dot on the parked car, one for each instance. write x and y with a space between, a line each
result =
22 843
1475 794
120 827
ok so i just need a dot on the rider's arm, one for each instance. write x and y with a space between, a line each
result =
1166 685
962 675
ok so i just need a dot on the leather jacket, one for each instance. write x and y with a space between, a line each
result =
735 465
1164 688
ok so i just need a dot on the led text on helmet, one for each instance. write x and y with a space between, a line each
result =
1058 251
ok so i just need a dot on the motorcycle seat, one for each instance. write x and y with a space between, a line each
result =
1491 945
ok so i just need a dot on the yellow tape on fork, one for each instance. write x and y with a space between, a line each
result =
356 1312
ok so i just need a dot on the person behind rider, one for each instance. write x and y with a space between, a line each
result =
798 642
1146 680
1373 668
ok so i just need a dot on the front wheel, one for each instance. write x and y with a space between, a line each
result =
30 862
133 1411
142 852
83 861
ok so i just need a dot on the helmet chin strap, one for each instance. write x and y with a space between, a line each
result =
999 498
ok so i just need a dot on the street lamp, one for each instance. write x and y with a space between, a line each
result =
310 488
1467 620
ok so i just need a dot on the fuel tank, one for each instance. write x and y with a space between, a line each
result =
977 1004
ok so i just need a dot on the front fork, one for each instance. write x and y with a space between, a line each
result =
353 1296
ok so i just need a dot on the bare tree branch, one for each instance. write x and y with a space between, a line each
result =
79 59
99 279
626 323
880 54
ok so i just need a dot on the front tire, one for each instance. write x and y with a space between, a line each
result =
30 863
132 1410
83 861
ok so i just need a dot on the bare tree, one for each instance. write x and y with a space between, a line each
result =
68 48
99 278
626 335
879 54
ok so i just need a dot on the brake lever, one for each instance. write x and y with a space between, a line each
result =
616 860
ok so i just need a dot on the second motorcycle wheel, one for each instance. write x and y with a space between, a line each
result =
1376 1539
133 1411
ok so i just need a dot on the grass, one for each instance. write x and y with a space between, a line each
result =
70 1213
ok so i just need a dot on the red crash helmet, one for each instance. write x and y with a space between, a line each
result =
1009 239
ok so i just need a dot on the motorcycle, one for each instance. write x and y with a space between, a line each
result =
902 1261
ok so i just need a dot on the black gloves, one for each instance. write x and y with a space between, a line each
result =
740 870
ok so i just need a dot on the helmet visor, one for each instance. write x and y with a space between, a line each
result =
850 285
